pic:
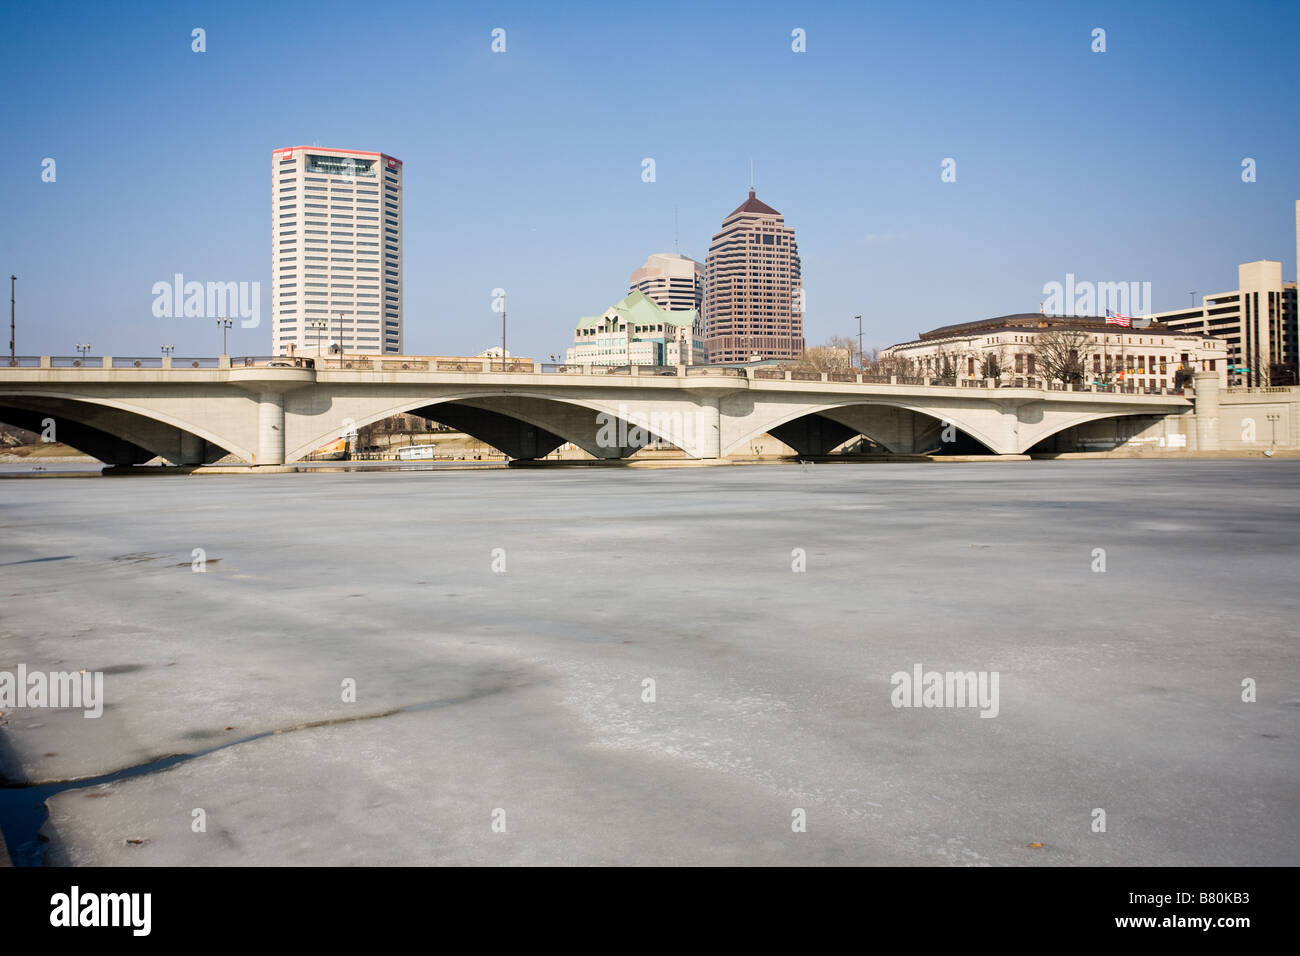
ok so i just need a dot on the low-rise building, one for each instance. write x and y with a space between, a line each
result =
1011 349
635 331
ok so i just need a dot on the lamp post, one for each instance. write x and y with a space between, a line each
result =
83 348
12 279
318 327
340 340
859 318
503 330
224 324
1272 421
168 350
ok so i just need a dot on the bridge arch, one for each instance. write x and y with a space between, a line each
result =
1053 425
899 425
115 431
482 412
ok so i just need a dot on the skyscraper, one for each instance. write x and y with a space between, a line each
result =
753 292
674 282
336 251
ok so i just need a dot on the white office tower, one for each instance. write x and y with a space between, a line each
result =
336 252
672 281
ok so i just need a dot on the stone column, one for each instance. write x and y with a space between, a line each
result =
270 428
1206 403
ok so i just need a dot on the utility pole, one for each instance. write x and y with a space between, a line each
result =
12 280
860 366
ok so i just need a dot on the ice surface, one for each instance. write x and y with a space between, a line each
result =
1118 690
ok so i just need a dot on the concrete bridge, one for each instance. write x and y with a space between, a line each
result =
270 411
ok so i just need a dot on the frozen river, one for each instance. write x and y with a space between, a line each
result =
501 630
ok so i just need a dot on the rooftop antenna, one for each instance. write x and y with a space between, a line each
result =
751 175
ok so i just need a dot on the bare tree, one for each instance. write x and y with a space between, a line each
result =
848 344
825 358
898 365
1060 355
993 363
950 362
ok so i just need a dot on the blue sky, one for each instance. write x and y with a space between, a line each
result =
523 169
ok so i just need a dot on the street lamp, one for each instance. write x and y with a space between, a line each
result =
340 340
83 348
12 280
168 350
318 326
224 324
1273 420
859 318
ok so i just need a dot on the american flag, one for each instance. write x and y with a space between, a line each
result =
1115 318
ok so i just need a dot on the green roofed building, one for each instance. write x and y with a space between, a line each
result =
635 331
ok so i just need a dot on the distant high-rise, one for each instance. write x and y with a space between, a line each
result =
753 290
674 282
1257 320
336 251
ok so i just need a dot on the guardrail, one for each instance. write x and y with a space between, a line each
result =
75 361
759 373
183 363
153 361
725 370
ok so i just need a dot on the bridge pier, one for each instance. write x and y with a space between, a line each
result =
270 428
192 448
710 427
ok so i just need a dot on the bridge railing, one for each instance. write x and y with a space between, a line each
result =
715 370
76 361
210 361
24 361
277 361
151 361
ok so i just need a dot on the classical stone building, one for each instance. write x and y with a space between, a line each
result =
1129 358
